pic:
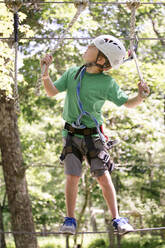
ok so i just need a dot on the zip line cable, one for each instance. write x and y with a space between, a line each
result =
75 38
90 3
67 236
79 233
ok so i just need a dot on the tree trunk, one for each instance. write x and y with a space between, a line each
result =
2 235
14 175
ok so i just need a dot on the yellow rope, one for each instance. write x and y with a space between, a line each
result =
133 5
80 5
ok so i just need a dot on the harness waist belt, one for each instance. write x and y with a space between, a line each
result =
84 131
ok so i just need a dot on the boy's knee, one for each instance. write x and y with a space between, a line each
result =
72 178
98 173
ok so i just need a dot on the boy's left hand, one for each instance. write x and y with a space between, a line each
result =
143 90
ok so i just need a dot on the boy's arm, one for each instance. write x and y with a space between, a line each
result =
135 101
51 90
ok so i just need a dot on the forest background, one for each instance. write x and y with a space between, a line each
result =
140 155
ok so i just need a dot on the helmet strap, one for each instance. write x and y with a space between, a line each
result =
94 64
103 67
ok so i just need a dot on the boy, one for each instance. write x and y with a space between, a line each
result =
87 89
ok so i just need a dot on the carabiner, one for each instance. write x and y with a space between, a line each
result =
135 47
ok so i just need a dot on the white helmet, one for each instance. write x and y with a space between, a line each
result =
112 48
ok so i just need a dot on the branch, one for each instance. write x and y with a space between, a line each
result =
41 165
155 30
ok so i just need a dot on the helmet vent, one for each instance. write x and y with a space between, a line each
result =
107 40
117 45
111 41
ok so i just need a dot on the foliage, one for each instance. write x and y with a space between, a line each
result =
99 243
145 242
6 48
139 181
129 242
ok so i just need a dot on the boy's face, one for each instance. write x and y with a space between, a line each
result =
90 54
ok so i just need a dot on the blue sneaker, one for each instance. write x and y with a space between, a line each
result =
122 225
69 226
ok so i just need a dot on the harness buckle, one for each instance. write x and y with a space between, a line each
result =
111 143
104 156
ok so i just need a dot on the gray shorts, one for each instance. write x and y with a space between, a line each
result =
73 166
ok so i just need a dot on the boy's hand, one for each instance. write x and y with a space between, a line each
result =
143 90
47 60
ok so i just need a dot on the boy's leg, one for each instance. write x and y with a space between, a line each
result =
71 190
73 171
109 193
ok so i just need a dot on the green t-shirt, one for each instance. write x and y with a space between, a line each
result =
95 90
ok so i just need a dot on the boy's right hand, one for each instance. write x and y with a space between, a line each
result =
47 60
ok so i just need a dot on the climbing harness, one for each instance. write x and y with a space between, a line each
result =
80 5
77 123
92 152
78 128
133 5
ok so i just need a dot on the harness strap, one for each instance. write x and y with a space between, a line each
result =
77 124
78 72
70 148
84 131
92 151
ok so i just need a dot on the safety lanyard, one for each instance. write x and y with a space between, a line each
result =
77 123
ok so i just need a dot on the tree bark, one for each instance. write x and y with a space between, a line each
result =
2 235
14 175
